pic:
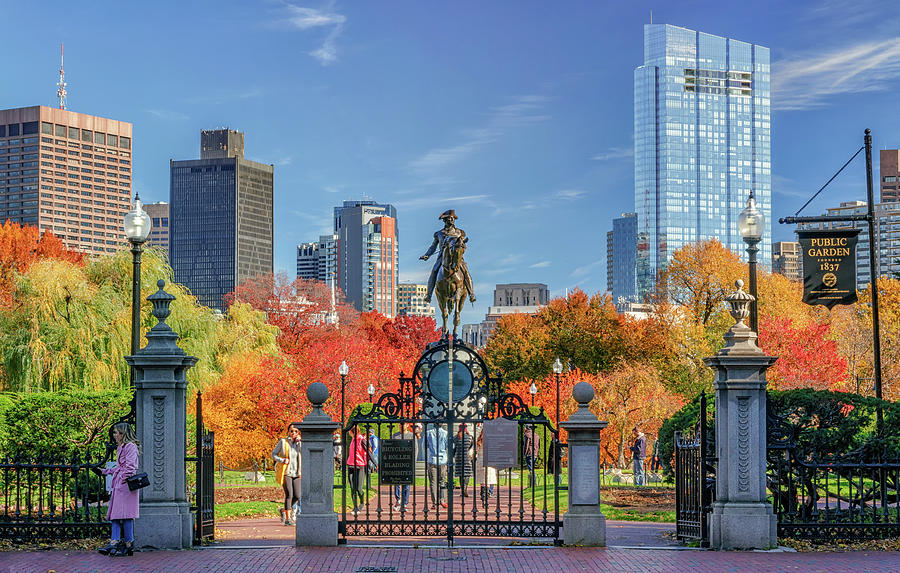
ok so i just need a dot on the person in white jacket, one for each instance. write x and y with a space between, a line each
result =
287 455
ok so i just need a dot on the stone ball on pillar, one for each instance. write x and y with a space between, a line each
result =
583 393
317 393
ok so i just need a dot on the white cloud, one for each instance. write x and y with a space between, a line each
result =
808 80
225 97
168 115
570 194
429 201
614 153
585 269
521 112
540 265
305 18
331 189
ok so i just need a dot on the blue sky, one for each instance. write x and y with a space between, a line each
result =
516 114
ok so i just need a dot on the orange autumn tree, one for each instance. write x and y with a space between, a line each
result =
230 410
632 394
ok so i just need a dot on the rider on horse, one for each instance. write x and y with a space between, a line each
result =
441 238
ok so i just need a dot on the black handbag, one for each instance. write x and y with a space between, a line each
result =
137 481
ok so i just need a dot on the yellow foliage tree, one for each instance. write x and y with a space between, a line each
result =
230 410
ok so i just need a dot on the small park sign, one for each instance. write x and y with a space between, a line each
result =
829 266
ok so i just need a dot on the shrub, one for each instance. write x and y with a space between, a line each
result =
63 423
822 424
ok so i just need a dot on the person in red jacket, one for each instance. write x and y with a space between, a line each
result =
357 460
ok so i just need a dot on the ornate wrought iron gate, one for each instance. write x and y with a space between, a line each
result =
204 501
694 481
452 492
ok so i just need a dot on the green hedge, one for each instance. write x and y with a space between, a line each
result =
824 424
59 423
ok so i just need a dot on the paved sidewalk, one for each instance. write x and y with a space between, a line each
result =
261 532
481 560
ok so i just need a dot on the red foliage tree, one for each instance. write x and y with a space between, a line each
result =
807 358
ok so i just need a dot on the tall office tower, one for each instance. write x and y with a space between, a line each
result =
513 298
221 220
621 258
411 300
890 175
887 256
317 261
159 220
68 173
368 255
307 261
787 260
701 143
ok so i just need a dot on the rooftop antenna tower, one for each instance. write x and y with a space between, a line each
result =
61 92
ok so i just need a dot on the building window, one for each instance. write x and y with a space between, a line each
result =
46 128
100 138
29 127
125 142
12 129
112 140
60 131
74 133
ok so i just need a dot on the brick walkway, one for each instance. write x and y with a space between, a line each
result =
482 560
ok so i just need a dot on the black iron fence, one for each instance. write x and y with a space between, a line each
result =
853 496
829 500
46 498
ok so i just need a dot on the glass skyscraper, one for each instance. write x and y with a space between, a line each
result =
621 251
221 218
702 141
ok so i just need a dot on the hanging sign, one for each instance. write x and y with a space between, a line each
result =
829 266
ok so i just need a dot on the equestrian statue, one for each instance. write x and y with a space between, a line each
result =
450 277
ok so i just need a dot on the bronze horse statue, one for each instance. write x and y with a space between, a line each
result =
450 286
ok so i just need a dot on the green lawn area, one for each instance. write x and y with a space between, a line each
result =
245 509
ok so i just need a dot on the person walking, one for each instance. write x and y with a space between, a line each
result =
654 457
357 463
531 450
487 473
638 453
401 492
124 504
463 446
287 470
436 463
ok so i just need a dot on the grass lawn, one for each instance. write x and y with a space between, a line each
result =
246 509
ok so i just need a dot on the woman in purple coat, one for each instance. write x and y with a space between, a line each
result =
123 503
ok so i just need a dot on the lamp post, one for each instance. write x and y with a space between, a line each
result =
343 370
532 390
557 369
371 391
137 229
751 223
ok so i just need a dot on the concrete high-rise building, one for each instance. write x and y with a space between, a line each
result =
317 261
702 142
511 298
890 175
787 260
159 219
368 255
411 300
221 220
887 258
68 173
621 258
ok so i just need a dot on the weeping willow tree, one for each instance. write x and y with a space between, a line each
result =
69 326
